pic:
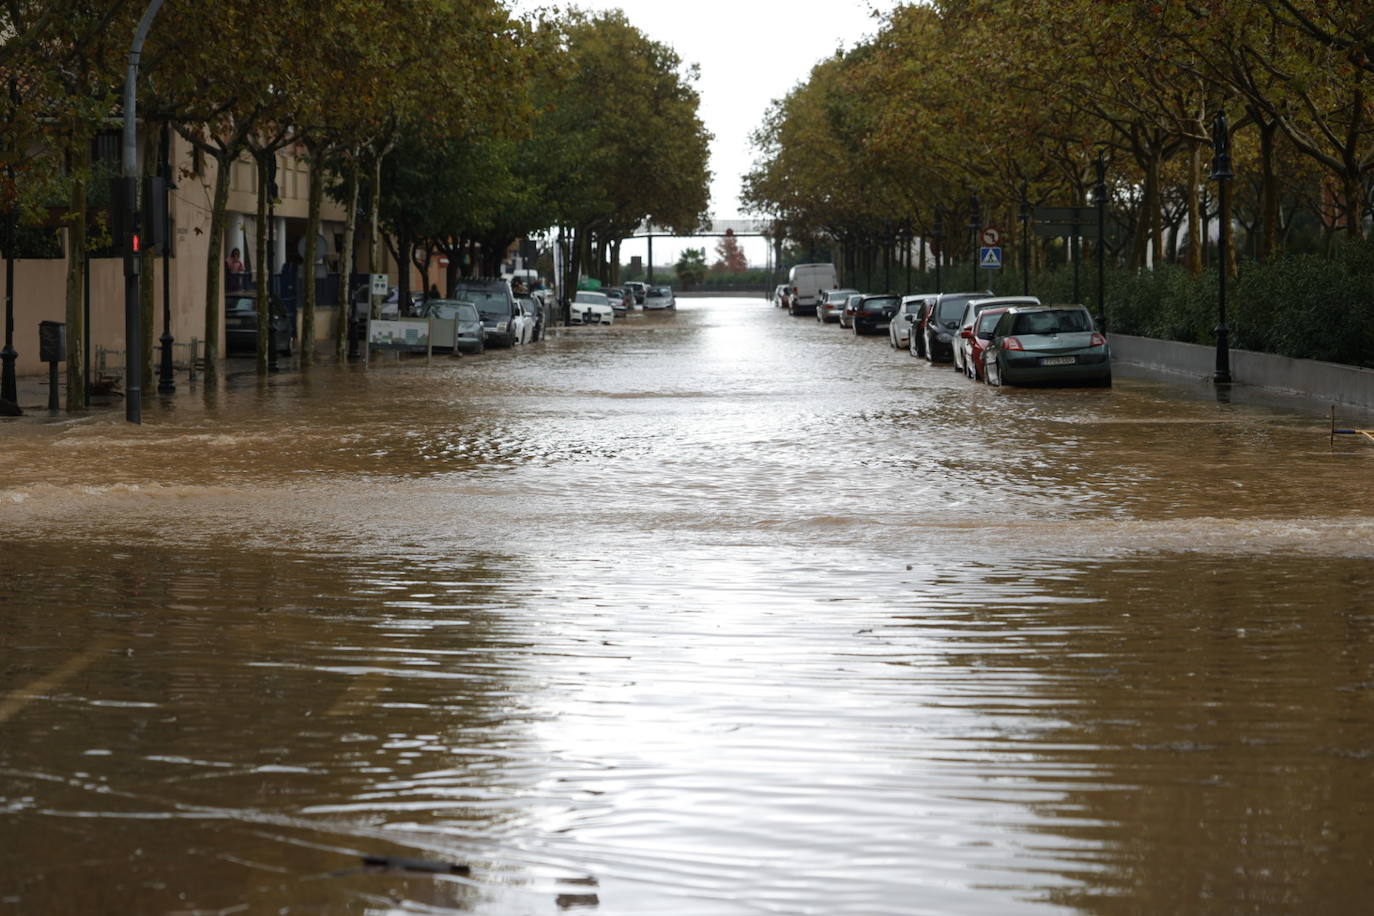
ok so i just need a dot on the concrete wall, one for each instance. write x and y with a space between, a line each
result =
1337 384
40 286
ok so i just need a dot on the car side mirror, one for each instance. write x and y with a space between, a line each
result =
966 333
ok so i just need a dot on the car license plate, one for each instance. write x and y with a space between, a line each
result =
1057 361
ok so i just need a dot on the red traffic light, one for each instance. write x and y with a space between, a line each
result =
135 241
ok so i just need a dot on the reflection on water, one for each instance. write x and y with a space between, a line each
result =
714 613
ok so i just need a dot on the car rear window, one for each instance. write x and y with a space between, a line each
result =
1057 322
488 302
880 303
952 309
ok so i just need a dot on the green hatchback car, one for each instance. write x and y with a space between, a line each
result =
1054 344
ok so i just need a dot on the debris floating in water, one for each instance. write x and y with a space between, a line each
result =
423 866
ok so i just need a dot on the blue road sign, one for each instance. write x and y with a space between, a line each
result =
990 258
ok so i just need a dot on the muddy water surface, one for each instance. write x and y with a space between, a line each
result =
720 612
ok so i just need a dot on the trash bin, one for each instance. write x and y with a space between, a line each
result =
52 341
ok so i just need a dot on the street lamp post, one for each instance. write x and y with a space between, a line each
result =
1222 175
937 232
166 384
1025 242
976 223
1100 198
128 199
9 384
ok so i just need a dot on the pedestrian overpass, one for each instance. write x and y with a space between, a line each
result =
710 227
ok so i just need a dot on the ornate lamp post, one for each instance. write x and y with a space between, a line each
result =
9 385
975 212
165 383
1100 199
1222 175
1025 242
937 233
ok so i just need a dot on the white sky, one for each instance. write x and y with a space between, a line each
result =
750 52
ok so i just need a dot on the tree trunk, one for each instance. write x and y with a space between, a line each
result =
1352 189
1155 208
404 244
346 257
263 274
374 244
312 234
1195 237
1269 192
78 166
214 265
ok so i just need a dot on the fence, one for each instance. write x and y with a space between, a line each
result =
110 363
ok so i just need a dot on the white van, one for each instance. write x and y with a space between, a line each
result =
808 281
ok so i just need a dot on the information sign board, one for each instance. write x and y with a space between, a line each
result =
990 258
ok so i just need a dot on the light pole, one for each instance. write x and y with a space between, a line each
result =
1025 242
9 385
128 200
1222 175
937 233
165 383
1100 198
975 209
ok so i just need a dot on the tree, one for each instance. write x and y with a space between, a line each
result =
691 267
730 258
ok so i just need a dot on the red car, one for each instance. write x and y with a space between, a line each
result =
975 341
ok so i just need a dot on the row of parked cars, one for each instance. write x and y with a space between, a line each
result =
1000 340
601 306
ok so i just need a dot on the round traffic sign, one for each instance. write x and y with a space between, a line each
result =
991 236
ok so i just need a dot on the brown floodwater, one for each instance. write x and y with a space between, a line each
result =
715 612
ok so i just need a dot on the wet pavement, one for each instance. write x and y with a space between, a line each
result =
715 612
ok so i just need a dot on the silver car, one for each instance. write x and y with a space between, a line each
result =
468 336
832 304
1039 344
659 297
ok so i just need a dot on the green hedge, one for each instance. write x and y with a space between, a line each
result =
1302 305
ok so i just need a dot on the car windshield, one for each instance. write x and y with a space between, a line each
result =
590 298
488 302
1057 322
451 308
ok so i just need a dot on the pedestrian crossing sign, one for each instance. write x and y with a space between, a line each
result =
990 258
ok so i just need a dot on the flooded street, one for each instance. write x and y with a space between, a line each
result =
718 612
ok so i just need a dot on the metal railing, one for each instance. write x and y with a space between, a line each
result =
110 363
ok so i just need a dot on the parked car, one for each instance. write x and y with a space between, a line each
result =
976 343
241 326
521 324
942 325
495 302
972 309
618 299
808 281
832 304
899 328
1047 344
916 341
851 302
874 312
469 336
535 311
780 296
592 307
659 297
638 288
